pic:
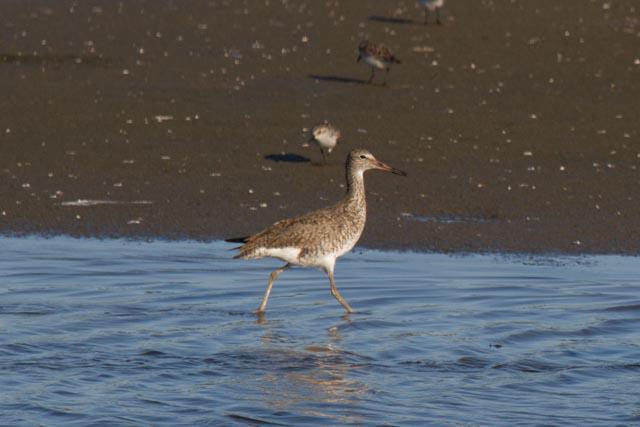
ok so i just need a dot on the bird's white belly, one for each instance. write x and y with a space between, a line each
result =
325 261
431 4
375 62
287 254
326 141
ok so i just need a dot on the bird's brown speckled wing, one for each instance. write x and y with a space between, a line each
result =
302 231
384 53
317 231
379 51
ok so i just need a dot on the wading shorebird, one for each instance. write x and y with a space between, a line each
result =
317 238
327 137
430 6
376 56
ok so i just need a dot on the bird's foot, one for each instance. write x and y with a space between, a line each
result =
260 317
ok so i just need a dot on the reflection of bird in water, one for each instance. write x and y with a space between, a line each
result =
327 137
430 6
376 56
318 238
311 382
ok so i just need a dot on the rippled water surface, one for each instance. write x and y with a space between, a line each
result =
162 333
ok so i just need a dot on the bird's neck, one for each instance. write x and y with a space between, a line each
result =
355 185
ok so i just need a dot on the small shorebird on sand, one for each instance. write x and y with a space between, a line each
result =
318 238
430 6
376 56
327 137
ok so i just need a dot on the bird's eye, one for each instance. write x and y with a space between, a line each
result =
363 156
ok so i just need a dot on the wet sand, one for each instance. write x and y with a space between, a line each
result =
516 121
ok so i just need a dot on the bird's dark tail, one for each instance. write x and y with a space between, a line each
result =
396 60
237 239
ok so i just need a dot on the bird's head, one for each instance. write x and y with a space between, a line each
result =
362 160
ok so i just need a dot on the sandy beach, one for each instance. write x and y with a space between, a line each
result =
517 122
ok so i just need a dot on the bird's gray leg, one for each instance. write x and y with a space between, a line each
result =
438 16
336 294
373 71
272 278
426 16
324 155
384 83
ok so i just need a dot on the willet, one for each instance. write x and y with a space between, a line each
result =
430 6
327 137
317 238
376 56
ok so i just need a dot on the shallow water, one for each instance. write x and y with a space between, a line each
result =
129 333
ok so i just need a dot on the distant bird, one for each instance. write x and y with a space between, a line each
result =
327 137
430 6
377 56
317 238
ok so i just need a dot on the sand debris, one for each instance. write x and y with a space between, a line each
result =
92 202
161 118
423 49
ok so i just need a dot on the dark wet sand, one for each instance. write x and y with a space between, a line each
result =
516 121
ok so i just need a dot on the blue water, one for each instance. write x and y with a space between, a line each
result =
162 333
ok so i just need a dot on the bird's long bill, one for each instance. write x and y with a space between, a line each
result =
387 168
